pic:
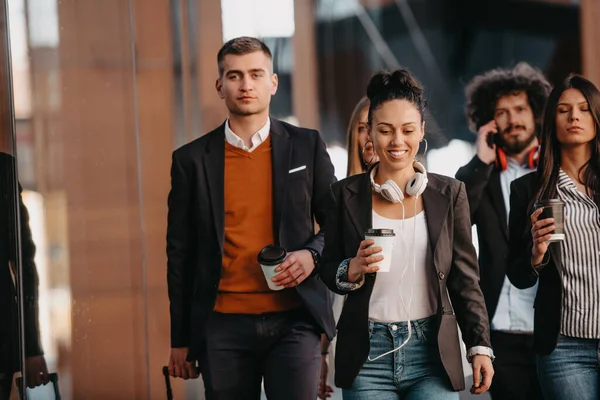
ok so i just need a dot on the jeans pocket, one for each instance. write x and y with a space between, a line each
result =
428 330
424 335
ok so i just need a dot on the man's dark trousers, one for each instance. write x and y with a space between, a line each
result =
282 347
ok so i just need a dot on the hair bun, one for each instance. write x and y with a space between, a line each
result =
404 80
399 81
378 83
398 85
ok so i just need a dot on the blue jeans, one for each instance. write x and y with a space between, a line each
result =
414 372
571 371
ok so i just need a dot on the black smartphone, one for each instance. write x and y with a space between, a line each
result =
48 391
493 139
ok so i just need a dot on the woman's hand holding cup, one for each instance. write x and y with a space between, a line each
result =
364 260
541 231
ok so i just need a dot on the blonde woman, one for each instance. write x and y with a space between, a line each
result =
360 157
359 145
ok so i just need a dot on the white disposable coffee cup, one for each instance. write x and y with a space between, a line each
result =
269 259
385 239
553 208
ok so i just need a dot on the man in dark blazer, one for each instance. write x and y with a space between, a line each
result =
10 339
252 182
504 108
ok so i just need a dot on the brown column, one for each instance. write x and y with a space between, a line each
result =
103 116
305 98
590 39
101 168
209 36
116 133
154 82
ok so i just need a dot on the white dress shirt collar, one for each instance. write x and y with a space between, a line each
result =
257 139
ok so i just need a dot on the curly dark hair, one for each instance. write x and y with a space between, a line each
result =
484 91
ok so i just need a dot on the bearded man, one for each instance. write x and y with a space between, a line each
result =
504 107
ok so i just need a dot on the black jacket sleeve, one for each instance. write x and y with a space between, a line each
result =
463 280
25 256
475 175
518 268
333 254
322 180
33 346
179 252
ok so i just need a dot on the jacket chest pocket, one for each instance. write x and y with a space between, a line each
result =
298 173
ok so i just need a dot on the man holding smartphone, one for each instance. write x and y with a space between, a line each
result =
504 107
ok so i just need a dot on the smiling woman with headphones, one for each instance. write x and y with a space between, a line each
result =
397 335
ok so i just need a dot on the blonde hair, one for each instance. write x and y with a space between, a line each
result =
355 163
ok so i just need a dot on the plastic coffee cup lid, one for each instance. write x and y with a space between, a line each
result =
271 255
380 232
548 202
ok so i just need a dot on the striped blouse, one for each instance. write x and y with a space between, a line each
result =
581 263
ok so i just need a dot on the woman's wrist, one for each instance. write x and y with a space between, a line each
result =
536 259
353 276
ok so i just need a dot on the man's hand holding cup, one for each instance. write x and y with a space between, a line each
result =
297 266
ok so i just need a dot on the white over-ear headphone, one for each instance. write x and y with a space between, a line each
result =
391 191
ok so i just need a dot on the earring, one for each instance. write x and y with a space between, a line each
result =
363 153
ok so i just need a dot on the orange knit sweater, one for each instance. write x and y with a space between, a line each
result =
248 228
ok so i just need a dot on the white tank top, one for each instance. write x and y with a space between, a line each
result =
391 288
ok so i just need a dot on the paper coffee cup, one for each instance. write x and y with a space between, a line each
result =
553 208
383 238
269 258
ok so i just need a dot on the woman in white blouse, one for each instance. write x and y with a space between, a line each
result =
567 305
397 335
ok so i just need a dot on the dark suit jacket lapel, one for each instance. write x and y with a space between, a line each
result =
436 202
281 150
214 167
497 199
359 204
